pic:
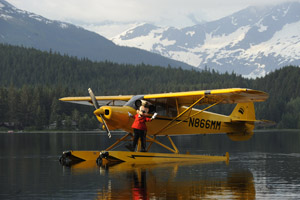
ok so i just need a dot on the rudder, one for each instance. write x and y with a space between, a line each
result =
243 112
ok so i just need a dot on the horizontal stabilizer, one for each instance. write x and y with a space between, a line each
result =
264 123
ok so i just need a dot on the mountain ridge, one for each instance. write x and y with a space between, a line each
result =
249 42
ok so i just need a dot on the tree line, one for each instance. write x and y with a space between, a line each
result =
37 108
32 81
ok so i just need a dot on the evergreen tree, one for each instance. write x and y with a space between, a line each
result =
32 81
12 105
3 105
291 116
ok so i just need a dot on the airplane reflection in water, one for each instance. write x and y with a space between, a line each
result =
170 180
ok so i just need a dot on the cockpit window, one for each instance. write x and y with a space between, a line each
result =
164 107
131 102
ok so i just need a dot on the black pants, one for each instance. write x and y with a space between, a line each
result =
139 134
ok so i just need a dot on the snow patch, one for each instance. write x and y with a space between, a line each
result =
128 31
145 42
258 72
48 22
284 43
63 26
191 33
20 11
234 21
218 42
5 17
286 11
36 17
262 28
274 18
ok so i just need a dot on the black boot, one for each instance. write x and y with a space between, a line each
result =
129 147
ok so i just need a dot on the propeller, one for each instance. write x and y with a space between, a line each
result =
96 105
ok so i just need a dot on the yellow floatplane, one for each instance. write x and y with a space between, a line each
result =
176 115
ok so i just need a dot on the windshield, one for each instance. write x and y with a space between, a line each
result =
131 102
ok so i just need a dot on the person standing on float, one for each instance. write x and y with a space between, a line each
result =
140 128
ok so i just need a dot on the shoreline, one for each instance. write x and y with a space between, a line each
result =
120 131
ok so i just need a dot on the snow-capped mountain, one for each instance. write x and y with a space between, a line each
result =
19 27
251 42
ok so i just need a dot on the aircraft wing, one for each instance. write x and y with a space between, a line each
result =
102 100
225 96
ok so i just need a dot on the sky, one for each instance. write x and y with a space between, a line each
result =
112 17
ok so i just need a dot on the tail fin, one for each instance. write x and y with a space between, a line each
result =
243 112
243 116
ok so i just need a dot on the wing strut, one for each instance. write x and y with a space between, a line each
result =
200 111
182 113
175 150
118 141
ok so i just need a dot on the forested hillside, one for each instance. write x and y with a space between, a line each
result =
32 81
19 27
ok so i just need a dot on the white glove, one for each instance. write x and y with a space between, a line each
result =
129 114
153 116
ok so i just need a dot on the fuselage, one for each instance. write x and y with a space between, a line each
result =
192 122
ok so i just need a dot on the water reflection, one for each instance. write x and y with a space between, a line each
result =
265 167
170 181
139 184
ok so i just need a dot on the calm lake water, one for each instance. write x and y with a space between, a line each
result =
265 167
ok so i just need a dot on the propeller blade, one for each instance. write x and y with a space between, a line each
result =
96 105
95 102
106 128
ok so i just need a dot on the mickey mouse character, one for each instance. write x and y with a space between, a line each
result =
139 126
